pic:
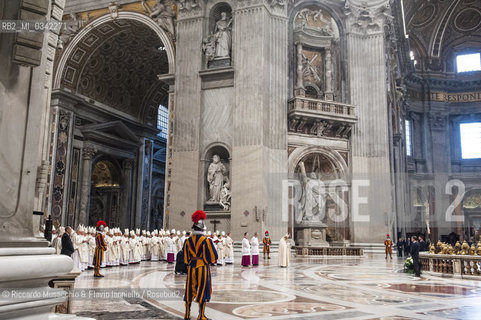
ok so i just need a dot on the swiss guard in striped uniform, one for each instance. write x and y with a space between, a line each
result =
267 245
100 247
199 254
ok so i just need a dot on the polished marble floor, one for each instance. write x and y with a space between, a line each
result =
310 288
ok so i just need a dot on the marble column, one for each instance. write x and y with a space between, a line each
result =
62 132
168 160
440 168
183 153
299 90
127 194
25 261
259 157
329 93
372 201
144 184
88 152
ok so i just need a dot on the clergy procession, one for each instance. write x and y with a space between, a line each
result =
134 246
193 252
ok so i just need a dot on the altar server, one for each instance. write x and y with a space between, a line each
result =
255 250
246 251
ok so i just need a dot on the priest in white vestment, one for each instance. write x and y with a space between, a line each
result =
285 245
229 249
255 250
170 248
246 251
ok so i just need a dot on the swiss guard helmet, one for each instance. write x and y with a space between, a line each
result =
101 225
198 218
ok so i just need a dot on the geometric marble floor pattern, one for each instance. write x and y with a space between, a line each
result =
310 288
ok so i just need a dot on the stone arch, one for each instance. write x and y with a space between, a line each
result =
215 11
116 62
313 91
334 157
128 15
212 145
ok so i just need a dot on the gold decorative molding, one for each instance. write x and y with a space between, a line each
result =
440 96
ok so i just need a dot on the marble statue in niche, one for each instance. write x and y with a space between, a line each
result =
216 175
312 202
223 36
315 172
218 44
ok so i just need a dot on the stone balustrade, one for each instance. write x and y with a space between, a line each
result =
320 106
320 118
328 251
457 266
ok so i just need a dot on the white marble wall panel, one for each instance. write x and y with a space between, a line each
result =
370 138
216 117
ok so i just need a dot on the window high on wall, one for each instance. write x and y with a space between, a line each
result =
409 143
163 121
470 140
468 62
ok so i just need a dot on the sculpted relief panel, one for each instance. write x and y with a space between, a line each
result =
317 20
163 13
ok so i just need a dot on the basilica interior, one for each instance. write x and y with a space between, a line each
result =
334 122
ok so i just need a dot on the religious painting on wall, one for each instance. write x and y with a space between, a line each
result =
313 68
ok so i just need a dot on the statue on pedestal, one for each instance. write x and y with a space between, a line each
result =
216 175
313 198
225 195
217 45
223 36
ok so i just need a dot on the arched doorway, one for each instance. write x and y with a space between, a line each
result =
105 193
107 88
472 215
319 196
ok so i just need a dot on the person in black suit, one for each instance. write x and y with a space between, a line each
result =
422 244
400 247
415 255
67 246
407 247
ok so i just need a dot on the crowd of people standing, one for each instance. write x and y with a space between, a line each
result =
404 245
131 246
